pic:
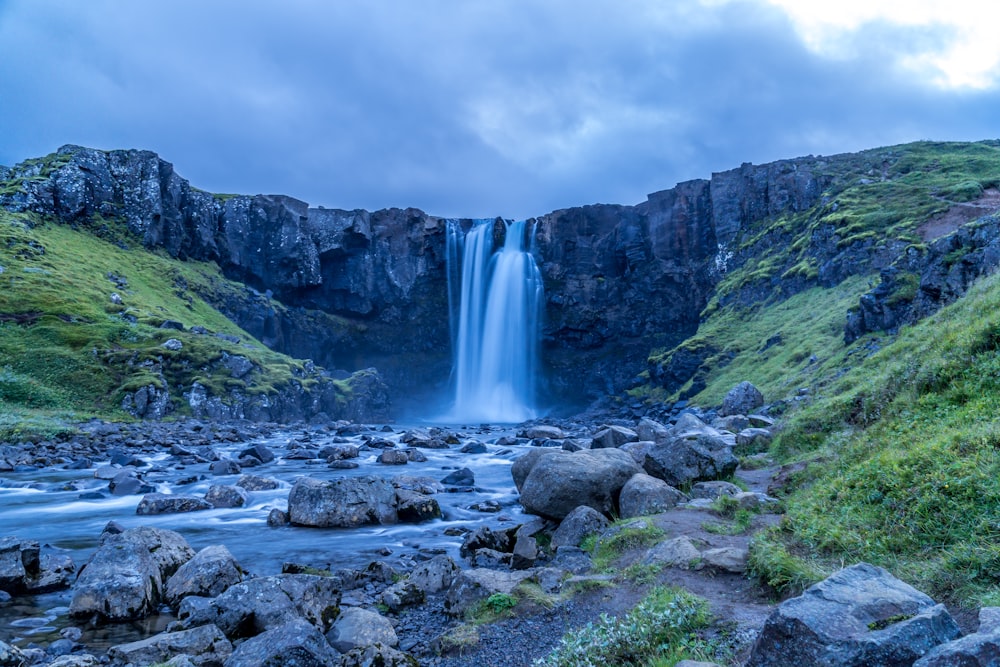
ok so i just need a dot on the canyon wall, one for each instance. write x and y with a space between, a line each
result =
353 289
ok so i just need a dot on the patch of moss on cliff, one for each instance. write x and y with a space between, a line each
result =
779 347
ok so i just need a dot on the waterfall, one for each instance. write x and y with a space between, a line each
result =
495 329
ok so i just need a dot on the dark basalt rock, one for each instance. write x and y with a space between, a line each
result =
371 286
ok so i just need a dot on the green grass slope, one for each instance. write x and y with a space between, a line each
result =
894 438
67 351
905 461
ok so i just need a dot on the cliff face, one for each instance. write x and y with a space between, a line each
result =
353 289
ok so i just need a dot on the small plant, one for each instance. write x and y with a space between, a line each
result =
493 608
662 627
624 535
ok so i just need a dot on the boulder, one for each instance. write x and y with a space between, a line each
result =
125 578
643 495
577 525
346 503
209 573
523 464
127 483
434 575
613 436
485 537
727 559
742 399
859 616
713 490
461 477
361 628
542 432
19 561
649 429
676 552
254 606
164 503
259 452
694 452
220 495
394 457
976 649
338 452
295 642
413 507
205 645
562 481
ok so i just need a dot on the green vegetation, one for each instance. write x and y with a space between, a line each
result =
69 350
768 321
492 609
626 534
660 631
911 472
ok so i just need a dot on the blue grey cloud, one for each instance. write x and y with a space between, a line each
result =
502 108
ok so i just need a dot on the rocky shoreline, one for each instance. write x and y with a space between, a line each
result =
509 594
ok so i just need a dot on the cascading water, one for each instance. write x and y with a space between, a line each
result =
495 330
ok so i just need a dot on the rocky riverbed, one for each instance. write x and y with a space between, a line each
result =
347 544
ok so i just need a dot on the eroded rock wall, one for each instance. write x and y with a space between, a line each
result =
353 289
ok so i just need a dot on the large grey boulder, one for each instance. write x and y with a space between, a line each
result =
742 399
254 606
857 617
205 645
559 482
209 573
360 628
523 464
644 494
344 503
693 452
295 642
577 525
126 577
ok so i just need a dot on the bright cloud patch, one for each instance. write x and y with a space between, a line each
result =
951 43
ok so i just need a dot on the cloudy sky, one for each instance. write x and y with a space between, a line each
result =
489 107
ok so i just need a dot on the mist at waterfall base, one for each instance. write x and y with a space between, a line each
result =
495 300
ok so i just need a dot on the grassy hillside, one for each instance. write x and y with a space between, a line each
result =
70 350
778 313
905 461
893 440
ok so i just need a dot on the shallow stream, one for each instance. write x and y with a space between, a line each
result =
46 505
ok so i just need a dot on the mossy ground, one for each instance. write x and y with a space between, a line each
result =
908 451
68 351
